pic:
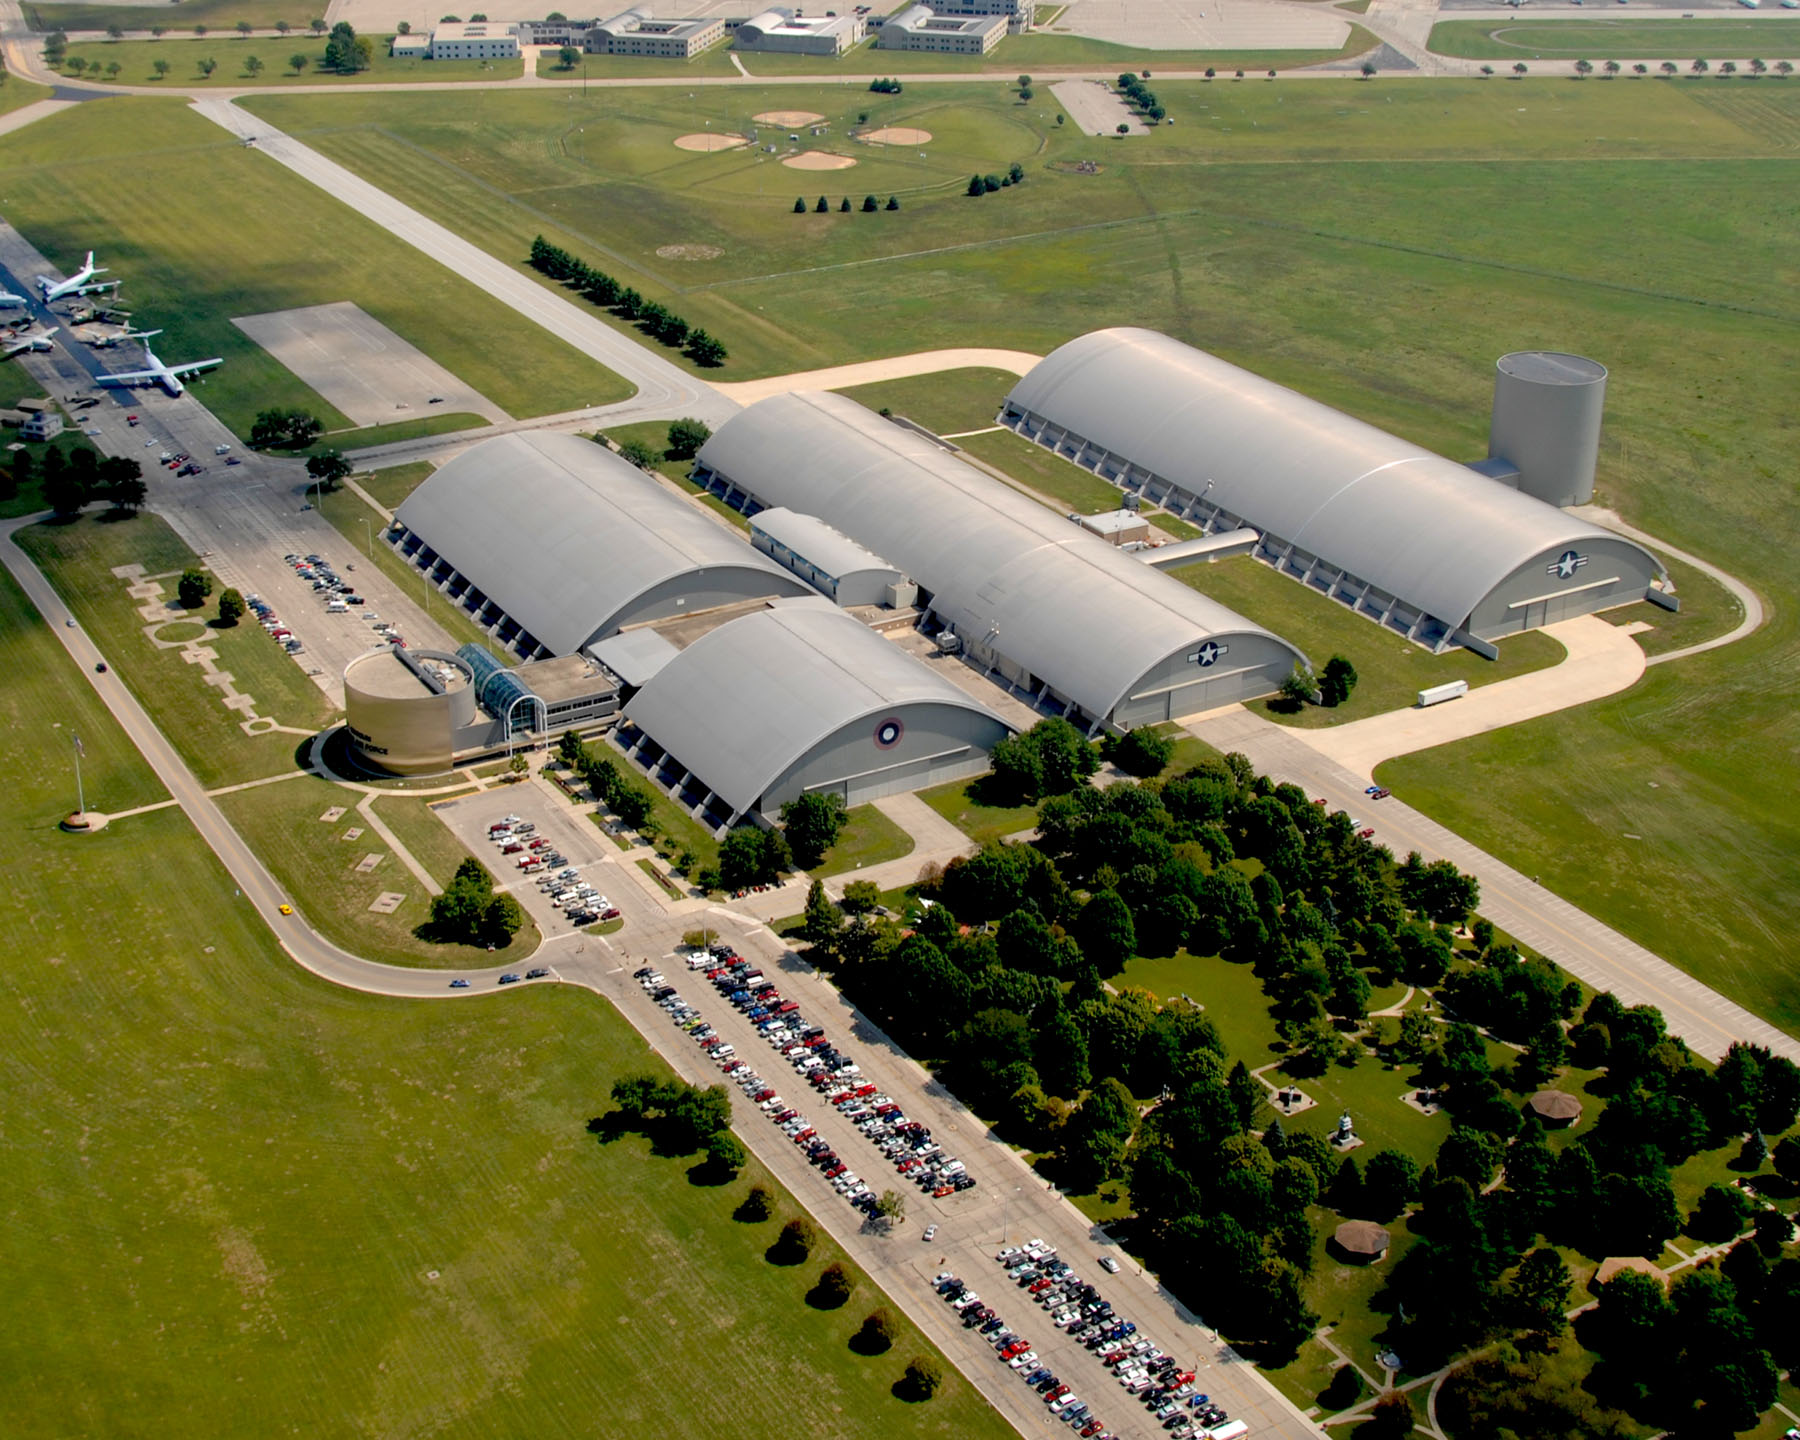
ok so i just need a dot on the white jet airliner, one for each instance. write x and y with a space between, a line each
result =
28 342
167 376
57 289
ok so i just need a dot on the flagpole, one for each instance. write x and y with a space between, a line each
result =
80 793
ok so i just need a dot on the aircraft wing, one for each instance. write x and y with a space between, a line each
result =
130 377
194 366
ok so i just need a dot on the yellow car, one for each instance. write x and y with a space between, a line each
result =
287 909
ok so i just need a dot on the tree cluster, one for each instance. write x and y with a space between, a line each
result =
748 855
653 318
880 87
1051 758
346 52
471 912
988 184
78 477
680 1119
284 429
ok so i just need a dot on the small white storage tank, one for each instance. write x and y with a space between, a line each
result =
1437 694
1546 422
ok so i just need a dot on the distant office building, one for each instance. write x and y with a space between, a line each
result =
410 47
476 40
637 32
787 32
1020 14
923 28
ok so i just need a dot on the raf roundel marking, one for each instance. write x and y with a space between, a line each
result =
888 733
1564 566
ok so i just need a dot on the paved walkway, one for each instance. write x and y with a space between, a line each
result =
1748 600
898 367
1592 952
1602 660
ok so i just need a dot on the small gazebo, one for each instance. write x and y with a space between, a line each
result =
1556 1108
1362 1242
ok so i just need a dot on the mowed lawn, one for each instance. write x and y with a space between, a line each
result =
1625 39
1446 224
240 1192
1390 669
217 14
947 403
202 229
79 556
228 51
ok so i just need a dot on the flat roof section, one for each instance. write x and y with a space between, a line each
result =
383 673
567 677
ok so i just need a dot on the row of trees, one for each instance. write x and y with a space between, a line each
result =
988 184
653 318
74 478
471 912
621 795
1139 96
870 205
886 86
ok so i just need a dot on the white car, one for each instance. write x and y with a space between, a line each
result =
1109 1265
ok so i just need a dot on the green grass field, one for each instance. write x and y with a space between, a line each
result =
868 838
1390 669
946 403
981 823
272 1180
216 14
318 865
1621 39
246 236
714 62
79 558
394 483
16 93
655 434
137 59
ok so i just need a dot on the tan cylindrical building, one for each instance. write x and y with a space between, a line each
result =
404 707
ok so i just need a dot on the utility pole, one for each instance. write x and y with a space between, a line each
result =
80 792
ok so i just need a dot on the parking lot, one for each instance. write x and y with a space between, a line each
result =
567 831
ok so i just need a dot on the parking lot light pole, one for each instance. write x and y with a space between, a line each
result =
1006 1200
363 521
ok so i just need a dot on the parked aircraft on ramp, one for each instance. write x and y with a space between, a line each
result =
76 284
28 342
10 301
157 373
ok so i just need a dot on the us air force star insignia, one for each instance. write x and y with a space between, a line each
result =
1564 566
1208 653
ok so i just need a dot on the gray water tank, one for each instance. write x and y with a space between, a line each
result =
1546 422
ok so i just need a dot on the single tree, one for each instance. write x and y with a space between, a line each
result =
1368 70
245 29
1784 68
231 609
207 66
725 1153
161 67
282 27
1024 82
870 204
75 64
891 1207
252 66
893 202
112 69
796 1239
158 31
799 205
1391 1419
115 32
1520 69
193 587
1700 67
812 824
65 490
316 26
1336 681
1668 67
1298 688
330 469
298 62
1487 71
823 207
1728 67
975 186
1612 68
833 1287
1123 128
518 765
686 436
1584 68
1758 67
819 922
1026 94
844 209
877 1333
567 57
758 1204
704 350
923 1377
1640 69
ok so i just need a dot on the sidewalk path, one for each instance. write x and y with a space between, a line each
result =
1603 659
898 367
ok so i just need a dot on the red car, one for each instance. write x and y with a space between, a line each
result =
942 1191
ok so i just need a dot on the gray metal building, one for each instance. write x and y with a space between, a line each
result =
800 697
1051 610
550 541
830 562
1421 544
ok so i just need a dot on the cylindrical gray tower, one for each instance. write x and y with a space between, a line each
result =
1546 422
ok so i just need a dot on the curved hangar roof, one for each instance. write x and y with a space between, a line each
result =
1073 610
1423 528
572 542
747 702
